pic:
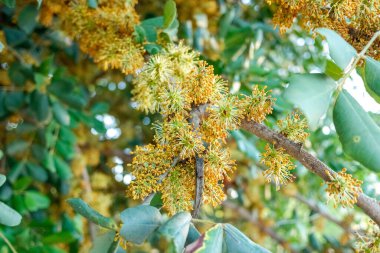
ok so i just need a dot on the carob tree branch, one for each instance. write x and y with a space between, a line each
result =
244 213
195 119
199 172
369 205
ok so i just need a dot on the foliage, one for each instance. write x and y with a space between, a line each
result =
102 97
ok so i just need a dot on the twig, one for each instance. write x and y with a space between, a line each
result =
195 119
356 60
370 206
246 215
199 170
8 242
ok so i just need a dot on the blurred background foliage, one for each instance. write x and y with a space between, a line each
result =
68 127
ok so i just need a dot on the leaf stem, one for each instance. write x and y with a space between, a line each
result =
8 242
353 64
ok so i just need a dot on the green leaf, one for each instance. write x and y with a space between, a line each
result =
40 105
8 216
150 27
92 4
175 230
27 19
35 201
2 179
357 131
61 114
17 147
213 240
333 70
62 168
14 37
86 211
37 172
372 78
14 100
312 94
235 241
104 243
139 222
22 184
193 234
60 237
340 50
39 79
9 3
170 13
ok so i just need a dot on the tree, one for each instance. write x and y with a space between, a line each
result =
227 133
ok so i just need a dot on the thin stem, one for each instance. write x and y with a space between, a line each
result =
203 221
8 242
353 64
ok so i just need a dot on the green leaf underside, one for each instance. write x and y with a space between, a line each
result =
175 230
9 216
340 50
139 222
312 94
235 241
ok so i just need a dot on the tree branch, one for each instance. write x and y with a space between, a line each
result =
199 170
370 206
259 224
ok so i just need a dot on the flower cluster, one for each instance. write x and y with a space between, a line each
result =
357 21
105 32
370 242
197 113
343 188
279 166
293 127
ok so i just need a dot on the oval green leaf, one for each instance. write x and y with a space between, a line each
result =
372 78
312 94
8 216
340 50
139 222
358 133
235 241
2 179
170 13
61 114
175 231
86 211
35 201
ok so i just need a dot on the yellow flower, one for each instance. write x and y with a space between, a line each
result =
226 113
343 188
279 166
258 105
293 127
370 241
